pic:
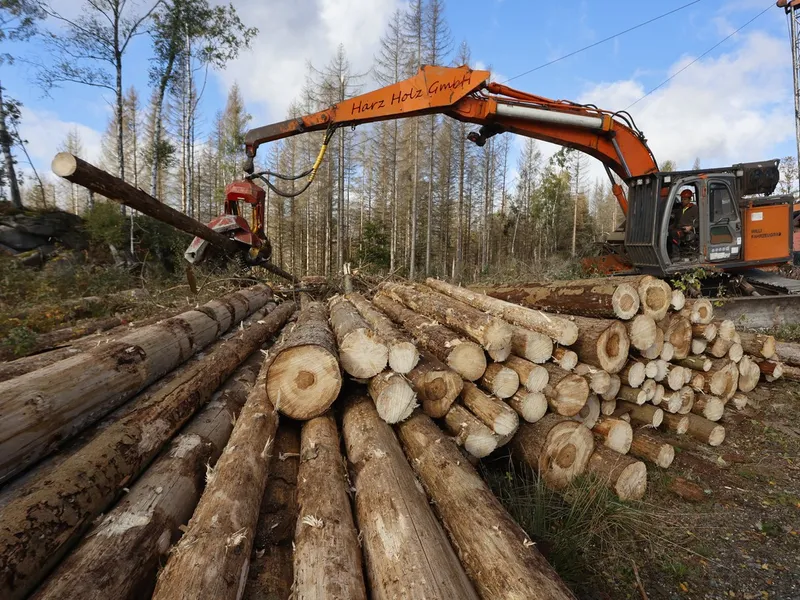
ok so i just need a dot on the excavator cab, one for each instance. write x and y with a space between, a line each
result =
739 223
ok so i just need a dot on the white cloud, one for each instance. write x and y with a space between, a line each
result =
731 108
293 33
45 132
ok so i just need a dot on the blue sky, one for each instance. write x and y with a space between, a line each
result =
735 104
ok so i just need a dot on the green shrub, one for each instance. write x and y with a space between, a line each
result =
105 224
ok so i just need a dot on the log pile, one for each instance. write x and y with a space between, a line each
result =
256 497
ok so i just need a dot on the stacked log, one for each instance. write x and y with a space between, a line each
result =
362 353
403 354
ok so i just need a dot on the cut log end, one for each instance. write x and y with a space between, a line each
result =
616 434
625 301
678 300
568 448
304 381
531 406
64 164
625 476
590 413
656 296
403 357
468 360
612 348
394 398
566 359
501 381
362 354
642 332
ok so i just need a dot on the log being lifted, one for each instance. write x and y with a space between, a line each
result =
407 554
557 448
485 329
602 343
403 354
562 330
625 476
497 554
212 557
44 408
327 556
469 431
436 384
600 298
114 456
75 170
648 447
363 353
394 397
121 557
303 377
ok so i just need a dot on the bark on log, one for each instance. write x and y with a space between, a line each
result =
634 395
642 332
633 374
675 423
607 407
623 475
557 448
678 332
788 352
686 395
407 554
531 406
436 384
566 359
724 381
531 345
121 556
394 398
485 329
687 490
496 553
602 343
707 332
615 433
303 376
57 508
533 377
771 368
709 407
566 392
612 392
697 363
699 311
44 408
705 431
590 412
363 354
599 380
212 558
495 414
327 556
648 447
562 330
604 298
499 380
271 575
464 357
20 366
52 339
403 354
791 373
470 432
644 415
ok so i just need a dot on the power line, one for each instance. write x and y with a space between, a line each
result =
609 38
714 47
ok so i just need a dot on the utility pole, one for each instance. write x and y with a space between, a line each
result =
792 9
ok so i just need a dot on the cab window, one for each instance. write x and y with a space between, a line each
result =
720 203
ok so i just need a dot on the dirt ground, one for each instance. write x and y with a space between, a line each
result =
743 541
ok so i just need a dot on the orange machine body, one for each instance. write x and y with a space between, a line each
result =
768 233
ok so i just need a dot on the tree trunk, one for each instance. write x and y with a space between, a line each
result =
495 414
696 363
531 406
488 331
600 299
20 366
121 557
699 311
114 457
687 490
615 433
464 357
562 330
633 374
212 558
557 448
394 398
8 158
407 554
51 339
599 380
566 359
707 406
678 332
749 374
648 447
707 332
623 475
677 424
642 332
788 352
327 555
271 573
536 347
403 354
602 343
533 377
500 381
590 412
566 392
49 406
705 431
758 344
437 385
303 377
470 432
496 553
363 353
646 415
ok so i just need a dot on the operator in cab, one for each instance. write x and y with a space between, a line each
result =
684 222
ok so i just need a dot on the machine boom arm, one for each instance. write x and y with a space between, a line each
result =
466 95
